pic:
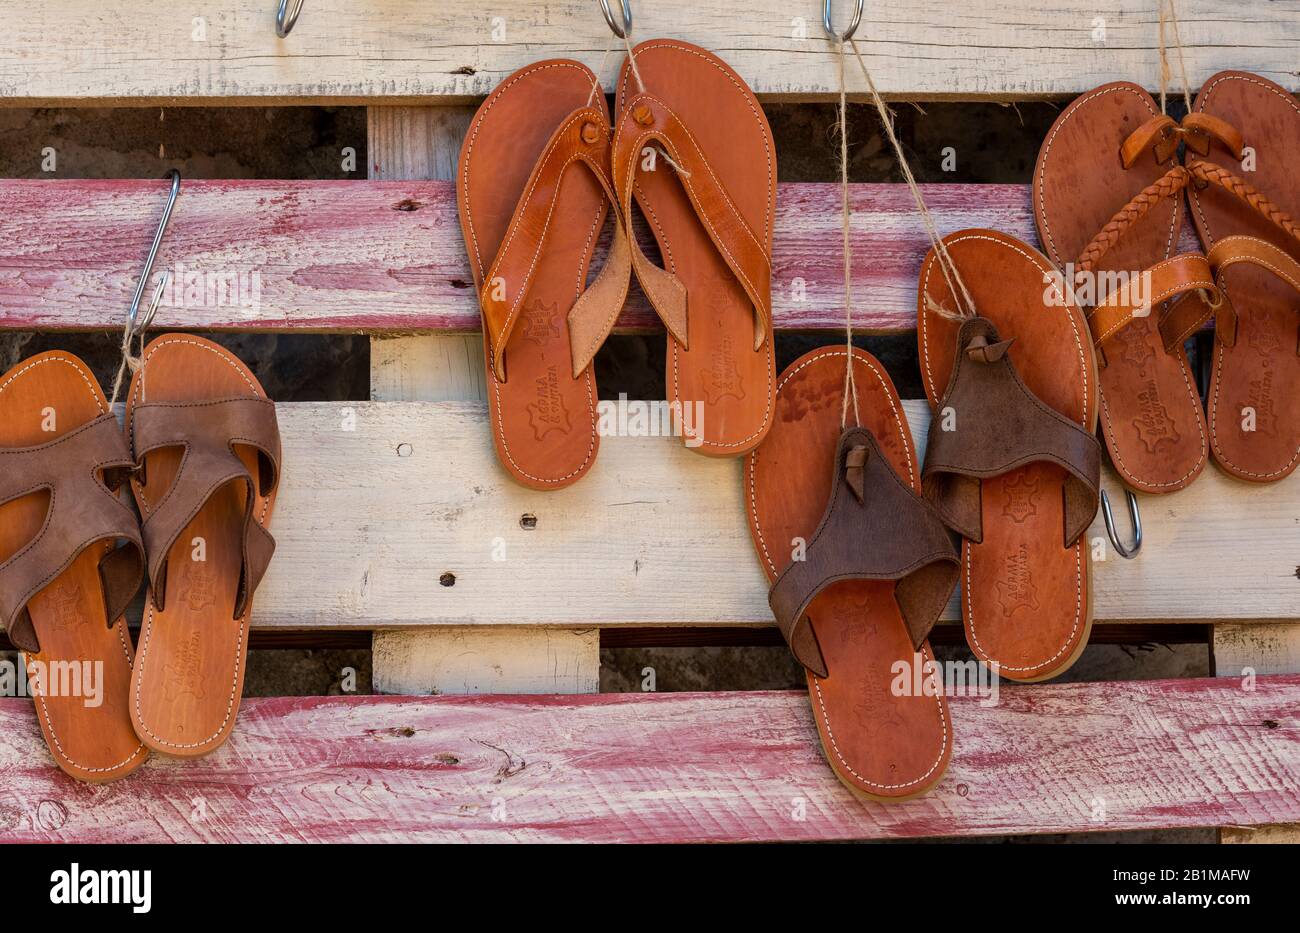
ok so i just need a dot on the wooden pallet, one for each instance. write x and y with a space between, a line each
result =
406 489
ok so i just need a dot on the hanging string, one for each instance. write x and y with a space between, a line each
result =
631 58
1170 14
132 349
947 266
600 69
850 384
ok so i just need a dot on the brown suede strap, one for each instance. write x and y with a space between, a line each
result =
990 423
582 139
647 119
874 528
81 471
209 432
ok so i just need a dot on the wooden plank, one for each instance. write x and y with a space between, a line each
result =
487 659
1245 650
677 768
387 256
423 143
1288 834
134 52
397 514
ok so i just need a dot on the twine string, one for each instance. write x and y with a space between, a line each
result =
850 384
956 286
1169 16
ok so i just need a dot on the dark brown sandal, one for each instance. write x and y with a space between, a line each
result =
864 586
64 584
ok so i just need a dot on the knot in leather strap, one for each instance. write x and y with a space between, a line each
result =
582 139
997 425
81 471
874 528
647 118
208 432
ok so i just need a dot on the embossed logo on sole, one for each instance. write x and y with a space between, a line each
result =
1016 588
541 321
548 413
1020 497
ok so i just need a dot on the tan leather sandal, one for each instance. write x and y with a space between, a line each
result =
694 150
64 584
533 190
1108 198
1012 462
207 448
861 568
1245 200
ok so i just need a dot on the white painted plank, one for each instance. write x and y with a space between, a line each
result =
487 659
370 520
139 51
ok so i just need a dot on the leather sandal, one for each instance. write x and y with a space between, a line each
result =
694 150
207 449
1108 199
861 568
1248 223
1012 461
533 191
64 581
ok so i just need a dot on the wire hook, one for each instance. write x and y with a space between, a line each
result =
284 20
134 325
1134 513
625 29
853 23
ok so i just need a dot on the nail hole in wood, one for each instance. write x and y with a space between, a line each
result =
404 450
528 521
408 205
447 579
465 70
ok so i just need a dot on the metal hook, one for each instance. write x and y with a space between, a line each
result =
135 325
853 23
1134 513
624 30
284 20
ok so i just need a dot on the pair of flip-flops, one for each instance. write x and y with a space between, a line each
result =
540 170
854 533
201 451
1108 194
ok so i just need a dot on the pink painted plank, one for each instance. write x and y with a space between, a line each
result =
387 256
677 768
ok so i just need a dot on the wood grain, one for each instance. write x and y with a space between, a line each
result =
387 257
412 51
677 768
370 522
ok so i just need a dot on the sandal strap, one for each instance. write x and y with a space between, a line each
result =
1001 425
1207 173
82 471
1167 186
582 139
875 528
1161 135
208 431
1186 278
646 118
1233 250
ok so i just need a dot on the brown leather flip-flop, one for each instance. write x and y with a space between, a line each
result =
1108 198
533 190
1012 460
207 448
64 583
861 568
1246 205
692 146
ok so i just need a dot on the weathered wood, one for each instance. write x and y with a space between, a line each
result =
677 768
487 659
1240 650
370 520
387 255
423 143
408 51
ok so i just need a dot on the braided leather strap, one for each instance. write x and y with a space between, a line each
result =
1168 185
1209 173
